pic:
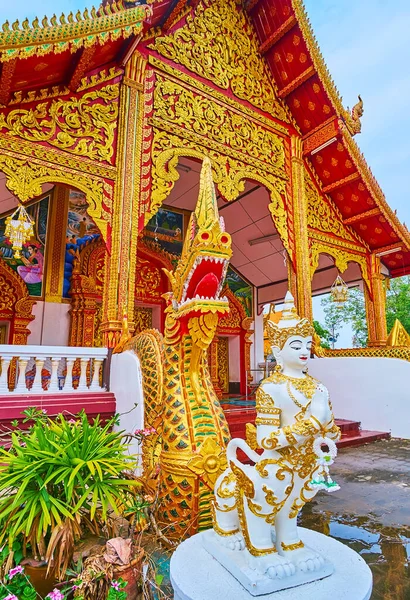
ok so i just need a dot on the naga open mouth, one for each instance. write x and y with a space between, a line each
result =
205 281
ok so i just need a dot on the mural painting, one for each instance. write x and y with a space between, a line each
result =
166 228
242 290
30 266
81 230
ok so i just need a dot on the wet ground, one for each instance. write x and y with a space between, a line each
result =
371 512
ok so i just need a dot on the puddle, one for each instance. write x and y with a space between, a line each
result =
385 549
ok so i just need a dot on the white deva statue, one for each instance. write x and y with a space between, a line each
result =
256 507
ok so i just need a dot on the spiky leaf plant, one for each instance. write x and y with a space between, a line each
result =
59 478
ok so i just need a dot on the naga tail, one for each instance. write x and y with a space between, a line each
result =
148 346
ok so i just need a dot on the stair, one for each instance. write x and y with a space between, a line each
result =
352 434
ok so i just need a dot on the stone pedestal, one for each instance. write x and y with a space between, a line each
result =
196 575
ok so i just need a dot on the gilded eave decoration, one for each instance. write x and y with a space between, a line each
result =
189 124
324 216
72 32
25 177
218 43
82 126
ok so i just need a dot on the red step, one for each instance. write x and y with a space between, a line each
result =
352 434
94 403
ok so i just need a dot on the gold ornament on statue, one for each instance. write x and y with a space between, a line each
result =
339 292
19 229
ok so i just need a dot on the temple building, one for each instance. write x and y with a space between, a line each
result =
105 119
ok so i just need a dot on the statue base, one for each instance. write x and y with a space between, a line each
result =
256 584
197 575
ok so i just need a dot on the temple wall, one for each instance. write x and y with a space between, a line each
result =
51 325
374 391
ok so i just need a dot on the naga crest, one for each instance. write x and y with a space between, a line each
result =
197 281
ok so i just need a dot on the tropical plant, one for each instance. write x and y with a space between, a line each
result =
59 478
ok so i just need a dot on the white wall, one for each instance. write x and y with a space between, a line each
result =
375 391
126 384
51 326
257 341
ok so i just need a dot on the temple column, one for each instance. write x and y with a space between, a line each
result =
56 242
119 283
300 279
376 305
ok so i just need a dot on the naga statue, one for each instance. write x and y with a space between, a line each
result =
292 446
180 404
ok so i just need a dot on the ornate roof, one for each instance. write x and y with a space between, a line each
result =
290 48
58 53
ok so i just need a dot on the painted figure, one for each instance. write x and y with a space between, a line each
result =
32 270
256 507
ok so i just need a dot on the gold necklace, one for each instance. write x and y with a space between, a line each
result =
305 385
303 407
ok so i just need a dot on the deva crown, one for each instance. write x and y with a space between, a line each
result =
290 324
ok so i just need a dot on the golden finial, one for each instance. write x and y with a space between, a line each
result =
53 20
398 336
93 12
15 25
62 19
45 22
70 17
206 210
25 24
6 26
79 16
86 15
35 23
125 336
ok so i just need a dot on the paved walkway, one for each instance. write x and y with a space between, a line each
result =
371 512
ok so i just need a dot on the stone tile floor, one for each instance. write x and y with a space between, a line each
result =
371 512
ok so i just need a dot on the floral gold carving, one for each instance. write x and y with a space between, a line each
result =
83 126
24 177
176 104
15 303
229 174
322 216
218 43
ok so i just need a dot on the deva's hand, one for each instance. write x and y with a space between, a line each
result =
319 406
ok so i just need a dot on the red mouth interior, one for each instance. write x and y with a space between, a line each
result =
205 280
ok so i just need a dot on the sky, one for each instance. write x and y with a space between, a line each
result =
365 44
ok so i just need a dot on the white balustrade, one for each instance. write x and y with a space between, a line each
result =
50 369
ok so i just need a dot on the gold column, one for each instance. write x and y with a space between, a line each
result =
303 284
376 306
56 242
214 366
119 283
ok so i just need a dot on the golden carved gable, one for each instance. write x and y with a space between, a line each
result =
218 43
324 217
82 126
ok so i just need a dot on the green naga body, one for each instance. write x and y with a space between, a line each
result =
180 402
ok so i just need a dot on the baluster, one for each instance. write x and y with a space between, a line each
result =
37 387
68 385
4 384
95 383
82 386
53 387
21 387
